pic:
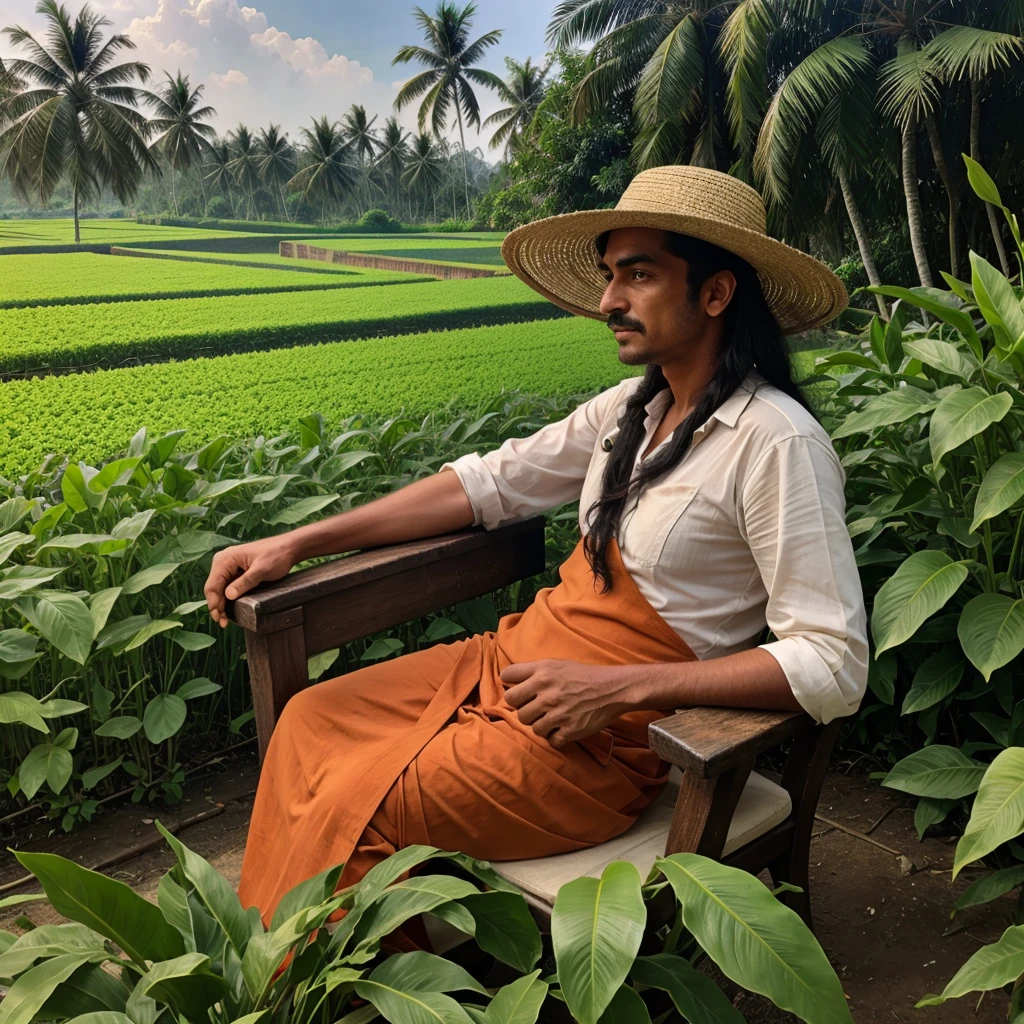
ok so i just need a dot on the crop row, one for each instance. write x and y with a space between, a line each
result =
488 256
245 259
54 338
61 279
89 416
377 243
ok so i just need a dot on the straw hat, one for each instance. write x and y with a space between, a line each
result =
556 256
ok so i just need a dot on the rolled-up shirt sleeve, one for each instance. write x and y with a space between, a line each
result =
793 512
532 474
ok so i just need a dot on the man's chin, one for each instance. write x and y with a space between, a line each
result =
631 356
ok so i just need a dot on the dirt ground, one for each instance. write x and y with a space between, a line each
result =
887 932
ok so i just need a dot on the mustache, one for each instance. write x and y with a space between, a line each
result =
619 321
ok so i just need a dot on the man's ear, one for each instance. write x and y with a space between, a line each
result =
718 291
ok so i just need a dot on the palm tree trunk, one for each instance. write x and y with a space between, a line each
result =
913 200
465 169
993 223
202 188
174 201
938 154
74 193
866 256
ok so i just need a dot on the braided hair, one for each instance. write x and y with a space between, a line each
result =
751 338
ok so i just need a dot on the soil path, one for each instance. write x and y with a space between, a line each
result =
887 932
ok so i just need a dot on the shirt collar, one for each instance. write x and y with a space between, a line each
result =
728 412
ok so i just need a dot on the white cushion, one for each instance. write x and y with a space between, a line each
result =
762 806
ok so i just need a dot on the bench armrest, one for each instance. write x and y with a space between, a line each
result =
709 741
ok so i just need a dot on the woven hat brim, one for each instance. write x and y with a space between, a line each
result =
556 257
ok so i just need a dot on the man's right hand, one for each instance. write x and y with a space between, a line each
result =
259 560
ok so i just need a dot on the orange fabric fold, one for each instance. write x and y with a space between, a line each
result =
425 748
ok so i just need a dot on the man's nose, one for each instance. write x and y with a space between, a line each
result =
613 299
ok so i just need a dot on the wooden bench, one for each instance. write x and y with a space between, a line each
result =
714 805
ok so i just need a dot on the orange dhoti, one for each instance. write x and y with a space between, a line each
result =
425 749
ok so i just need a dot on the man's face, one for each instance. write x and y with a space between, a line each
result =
647 303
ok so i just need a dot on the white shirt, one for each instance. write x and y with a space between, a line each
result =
749 529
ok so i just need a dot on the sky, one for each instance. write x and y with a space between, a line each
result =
285 61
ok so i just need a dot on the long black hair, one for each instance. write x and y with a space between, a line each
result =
750 339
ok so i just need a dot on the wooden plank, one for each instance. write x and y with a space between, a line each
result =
704 810
253 611
277 671
708 741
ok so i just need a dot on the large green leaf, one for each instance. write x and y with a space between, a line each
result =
943 356
214 890
695 995
410 988
163 717
417 895
48 940
17 655
997 301
45 762
11 541
102 1017
991 631
308 893
505 928
27 995
90 990
938 676
626 1007
998 811
1002 488
890 407
16 706
756 941
185 983
990 887
991 967
937 771
100 603
596 928
106 905
518 1002
945 305
962 415
148 577
302 509
150 630
64 620
915 591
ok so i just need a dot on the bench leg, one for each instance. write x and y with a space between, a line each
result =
277 671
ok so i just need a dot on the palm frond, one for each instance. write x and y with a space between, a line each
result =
963 51
671 82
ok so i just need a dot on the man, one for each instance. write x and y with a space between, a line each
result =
711 505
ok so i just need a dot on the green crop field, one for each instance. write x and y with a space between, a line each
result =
92 415
69 278
489 256
57 338
373 243
111 231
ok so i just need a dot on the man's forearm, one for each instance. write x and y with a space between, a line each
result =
436 504
749 679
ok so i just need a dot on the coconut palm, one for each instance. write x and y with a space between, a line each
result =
357 131
394 153
275 161
522 91
219 175
663 53
76 117
448 80
424 168
326 169
184 136
243 164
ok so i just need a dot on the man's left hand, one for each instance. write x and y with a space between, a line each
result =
566 701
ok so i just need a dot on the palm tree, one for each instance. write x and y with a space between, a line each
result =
523 90
219 174
275 161
243 164
394 153
358 133
663 53
77 118
424 169
449 57
326 171
184 137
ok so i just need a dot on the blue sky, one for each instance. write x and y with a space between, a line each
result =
287 60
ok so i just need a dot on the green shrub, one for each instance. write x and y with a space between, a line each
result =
379 220
102 334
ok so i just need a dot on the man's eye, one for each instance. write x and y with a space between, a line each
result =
642 273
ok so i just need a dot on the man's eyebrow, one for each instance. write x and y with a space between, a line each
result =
628 261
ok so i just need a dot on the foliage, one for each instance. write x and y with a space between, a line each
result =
103 639
60 279
201 956
93 416
42 339
928 419
379 220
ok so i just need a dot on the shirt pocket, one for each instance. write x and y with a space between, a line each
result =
656 514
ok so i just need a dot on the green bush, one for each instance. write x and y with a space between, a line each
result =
199 957
40 340
379 220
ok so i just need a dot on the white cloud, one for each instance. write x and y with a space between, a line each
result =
229 78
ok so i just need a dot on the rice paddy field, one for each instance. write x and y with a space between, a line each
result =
215 333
